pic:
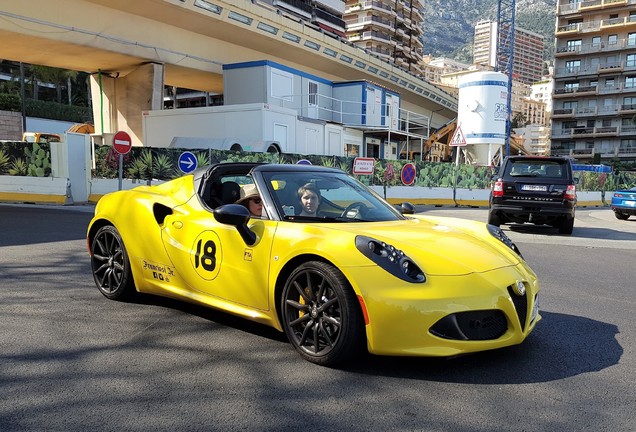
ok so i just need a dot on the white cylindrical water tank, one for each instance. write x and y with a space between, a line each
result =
482 112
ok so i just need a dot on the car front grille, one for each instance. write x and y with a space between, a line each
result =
473 325
521 305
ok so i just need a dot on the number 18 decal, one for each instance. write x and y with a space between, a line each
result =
207 255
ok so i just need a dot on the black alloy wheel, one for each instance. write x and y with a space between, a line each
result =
110 264
321 315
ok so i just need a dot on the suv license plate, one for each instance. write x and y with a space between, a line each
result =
538 188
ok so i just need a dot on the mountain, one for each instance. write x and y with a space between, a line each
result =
449 25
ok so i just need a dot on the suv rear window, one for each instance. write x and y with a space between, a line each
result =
536 168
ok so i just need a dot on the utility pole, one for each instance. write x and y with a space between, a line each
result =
505 53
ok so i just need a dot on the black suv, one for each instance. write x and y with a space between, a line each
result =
535 189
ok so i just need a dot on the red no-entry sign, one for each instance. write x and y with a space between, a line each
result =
122 142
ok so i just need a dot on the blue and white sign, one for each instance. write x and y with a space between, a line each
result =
592 168
187 162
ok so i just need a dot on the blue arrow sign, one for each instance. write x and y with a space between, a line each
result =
187 162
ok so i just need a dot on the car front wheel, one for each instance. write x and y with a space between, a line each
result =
110 264
321 315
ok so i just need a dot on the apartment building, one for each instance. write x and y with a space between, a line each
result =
391 30
326 14
527 63
594 99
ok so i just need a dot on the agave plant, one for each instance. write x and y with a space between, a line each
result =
162 167
202 159
4 161
19 167
141 167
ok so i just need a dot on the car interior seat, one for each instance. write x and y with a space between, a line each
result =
230 192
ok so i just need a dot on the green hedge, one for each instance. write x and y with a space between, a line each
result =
147 163
46 110
150 164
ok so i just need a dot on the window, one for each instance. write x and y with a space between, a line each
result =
630 81
607 122
571 86
596 41
631 39
312 93
609 82
630 60
572 66
570 105
574 45
612 39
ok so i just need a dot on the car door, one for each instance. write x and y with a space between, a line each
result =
213 259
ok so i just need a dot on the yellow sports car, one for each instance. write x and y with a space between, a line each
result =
327 261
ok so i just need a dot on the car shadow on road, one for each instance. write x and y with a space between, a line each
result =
547 355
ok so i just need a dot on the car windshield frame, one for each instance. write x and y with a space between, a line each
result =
338 192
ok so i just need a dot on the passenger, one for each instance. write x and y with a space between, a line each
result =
310 198
251 200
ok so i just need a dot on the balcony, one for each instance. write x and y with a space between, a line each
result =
563 113
582 131
606 131
298 7
586 112
331 22
610 68
356 23
627 109
627 131
581 153
610 110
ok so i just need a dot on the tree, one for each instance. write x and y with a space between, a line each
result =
519 120
60 78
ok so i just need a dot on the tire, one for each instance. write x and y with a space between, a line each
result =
321 315
110 264
567 226
493 219
621 216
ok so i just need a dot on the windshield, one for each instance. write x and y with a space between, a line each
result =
536 168
326 197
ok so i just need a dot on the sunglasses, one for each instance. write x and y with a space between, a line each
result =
255 200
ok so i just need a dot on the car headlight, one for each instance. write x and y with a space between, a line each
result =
498 233
390 259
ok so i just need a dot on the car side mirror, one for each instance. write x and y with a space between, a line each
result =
407 208
237 216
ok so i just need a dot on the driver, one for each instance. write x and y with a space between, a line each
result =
310 198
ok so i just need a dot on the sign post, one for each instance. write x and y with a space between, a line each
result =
122 144
458 140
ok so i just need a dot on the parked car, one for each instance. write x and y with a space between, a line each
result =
534 189
624 203
356 275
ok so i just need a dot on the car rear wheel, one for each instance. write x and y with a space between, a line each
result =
321 315
567 226
110 264
621 216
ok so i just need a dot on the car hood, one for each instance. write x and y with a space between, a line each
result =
441 246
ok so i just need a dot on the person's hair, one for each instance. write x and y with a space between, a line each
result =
309 187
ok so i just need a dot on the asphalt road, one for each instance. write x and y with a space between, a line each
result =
71 360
